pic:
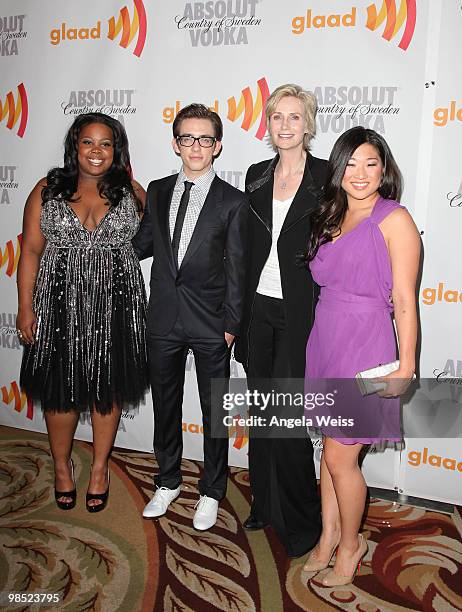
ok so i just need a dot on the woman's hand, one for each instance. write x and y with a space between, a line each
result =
397 383
26 324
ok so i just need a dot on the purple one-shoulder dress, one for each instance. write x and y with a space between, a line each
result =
353 328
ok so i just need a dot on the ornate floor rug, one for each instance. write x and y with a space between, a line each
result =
115 560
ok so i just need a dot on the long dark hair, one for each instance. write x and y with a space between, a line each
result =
327 219
62 182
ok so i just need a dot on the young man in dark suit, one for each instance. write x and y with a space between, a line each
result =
194 226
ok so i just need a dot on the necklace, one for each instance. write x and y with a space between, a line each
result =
284 182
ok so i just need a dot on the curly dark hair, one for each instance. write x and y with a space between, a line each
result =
62 182
326 220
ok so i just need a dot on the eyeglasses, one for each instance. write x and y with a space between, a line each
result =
188 141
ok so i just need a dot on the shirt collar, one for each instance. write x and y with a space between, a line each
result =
202 182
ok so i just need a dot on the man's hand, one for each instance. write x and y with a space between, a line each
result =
229 339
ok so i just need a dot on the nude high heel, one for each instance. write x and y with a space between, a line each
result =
332 579
315 565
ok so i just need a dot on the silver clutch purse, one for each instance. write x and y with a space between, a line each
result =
366 385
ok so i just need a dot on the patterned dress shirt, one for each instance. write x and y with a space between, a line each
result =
197 196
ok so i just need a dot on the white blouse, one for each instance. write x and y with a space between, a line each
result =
270 278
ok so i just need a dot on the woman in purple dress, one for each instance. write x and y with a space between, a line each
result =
364 253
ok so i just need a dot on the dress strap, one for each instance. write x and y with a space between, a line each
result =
383 208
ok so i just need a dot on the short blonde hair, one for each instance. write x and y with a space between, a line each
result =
309 104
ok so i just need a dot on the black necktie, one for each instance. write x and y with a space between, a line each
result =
180 215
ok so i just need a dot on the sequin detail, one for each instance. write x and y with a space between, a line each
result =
90 303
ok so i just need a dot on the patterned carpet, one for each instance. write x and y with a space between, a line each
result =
115 560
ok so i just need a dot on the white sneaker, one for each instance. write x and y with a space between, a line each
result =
158 505
206 513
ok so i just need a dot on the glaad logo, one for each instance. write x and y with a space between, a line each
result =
442 115
67 33
431 295
15 111
7 182
14 394
11 30
395 20
346 106
137 26
416 459
194 428
10 257
252 111
388 12
219 22
110 101
335 20
455 199
8 334
170 112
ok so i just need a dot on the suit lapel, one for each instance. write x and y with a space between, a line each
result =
209 211
305 199
163 213
262 203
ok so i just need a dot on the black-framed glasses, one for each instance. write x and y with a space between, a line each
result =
187 141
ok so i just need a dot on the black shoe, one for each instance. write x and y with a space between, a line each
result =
67 505
102 497
252 523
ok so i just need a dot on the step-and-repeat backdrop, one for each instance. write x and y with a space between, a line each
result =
390 65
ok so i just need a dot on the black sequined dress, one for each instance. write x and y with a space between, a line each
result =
90 304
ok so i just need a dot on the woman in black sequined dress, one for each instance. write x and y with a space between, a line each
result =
82 300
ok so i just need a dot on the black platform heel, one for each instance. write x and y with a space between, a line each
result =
67 505
102 497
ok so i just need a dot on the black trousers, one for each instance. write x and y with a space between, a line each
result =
282 473
167 359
